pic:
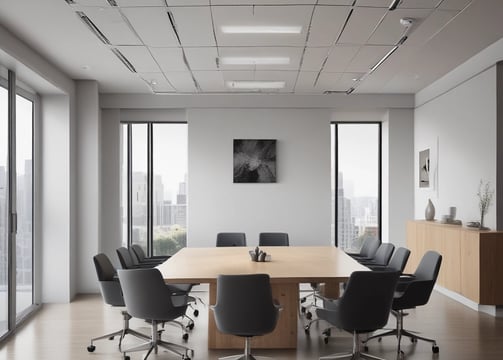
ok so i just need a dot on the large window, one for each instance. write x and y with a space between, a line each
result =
16 204
154 186
356 182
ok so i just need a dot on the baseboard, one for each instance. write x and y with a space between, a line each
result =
493 310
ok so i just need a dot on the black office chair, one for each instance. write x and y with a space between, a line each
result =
147 297
364 307
397 263
381 257
231 239
273 239
245 307
111 292
142 257
128 262
368 249
412 291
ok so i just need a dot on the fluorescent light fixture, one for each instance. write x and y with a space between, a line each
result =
261 29
228 60
254 84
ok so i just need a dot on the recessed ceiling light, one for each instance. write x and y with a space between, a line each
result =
254 84
85 67
227 60
242 29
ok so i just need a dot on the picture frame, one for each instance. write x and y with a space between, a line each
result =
254 161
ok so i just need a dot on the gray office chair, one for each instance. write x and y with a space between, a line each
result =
364 307
412 291
231 239
273 239
368 249
245 307
147 297
142 257
381 257
128 262
397 263
111 292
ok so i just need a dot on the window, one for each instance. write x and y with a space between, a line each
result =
16 204
356 182
154 186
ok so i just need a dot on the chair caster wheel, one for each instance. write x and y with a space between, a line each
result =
303 300
325 340
327 332
309 316
366 348
413 340
435 349
91 348
379 339
401 355
302 309
190 326
111 338
126 357
307 331
196 313
185 337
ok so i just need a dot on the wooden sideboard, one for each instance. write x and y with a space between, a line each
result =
472 260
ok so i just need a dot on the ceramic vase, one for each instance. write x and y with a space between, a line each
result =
429 212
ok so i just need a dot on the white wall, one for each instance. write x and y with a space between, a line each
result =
459 128
88 182
298 203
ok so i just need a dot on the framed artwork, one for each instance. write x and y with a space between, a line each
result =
254 161
424 168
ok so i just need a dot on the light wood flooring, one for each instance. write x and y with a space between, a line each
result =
63 331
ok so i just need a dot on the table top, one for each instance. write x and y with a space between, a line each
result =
288 264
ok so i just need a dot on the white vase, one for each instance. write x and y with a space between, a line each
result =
429 212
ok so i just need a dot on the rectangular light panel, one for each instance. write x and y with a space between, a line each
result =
242 29
251 84
227 60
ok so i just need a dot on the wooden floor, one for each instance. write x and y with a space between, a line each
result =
63 332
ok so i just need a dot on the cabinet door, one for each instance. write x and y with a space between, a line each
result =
450 248
470 265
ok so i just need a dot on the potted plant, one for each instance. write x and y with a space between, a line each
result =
485 195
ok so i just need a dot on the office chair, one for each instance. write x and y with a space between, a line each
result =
147 297
413 291
381 257
273 239
128 262
368 249
231 239
363 307
111 292
397 263
252 293
141 256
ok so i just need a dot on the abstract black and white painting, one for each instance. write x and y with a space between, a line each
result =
254 161
424 168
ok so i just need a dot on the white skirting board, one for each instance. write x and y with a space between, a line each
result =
493 310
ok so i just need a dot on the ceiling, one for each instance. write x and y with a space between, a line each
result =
178 46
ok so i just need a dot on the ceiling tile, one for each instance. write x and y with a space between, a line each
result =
454 4
335 2
261 15
367 57
429 27
156 82
327 23
194 25
137 3
201 58
340 57
187 2
210 81
329 82
314 58
112 25
152 25
288 77
417 4
361 24
305 82
102 3
390 31
182 81
140 58
169 59
260 2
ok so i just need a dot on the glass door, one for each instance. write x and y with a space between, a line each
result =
4 239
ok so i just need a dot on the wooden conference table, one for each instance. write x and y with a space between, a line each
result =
288 267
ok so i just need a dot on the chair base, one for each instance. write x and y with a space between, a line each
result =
155 342
356 354
400 332
246 355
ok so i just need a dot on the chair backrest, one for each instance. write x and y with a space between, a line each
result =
231 239
417 291
383 254
399 259
370 247
109 284
147 296
244 305
366 302
138 251
273 239
125 258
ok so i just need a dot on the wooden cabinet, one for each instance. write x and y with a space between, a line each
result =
472 260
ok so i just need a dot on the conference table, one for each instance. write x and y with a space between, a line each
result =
289 267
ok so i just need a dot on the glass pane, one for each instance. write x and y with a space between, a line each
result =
170 188
24 202
124 188
139 193
3 211
357 183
